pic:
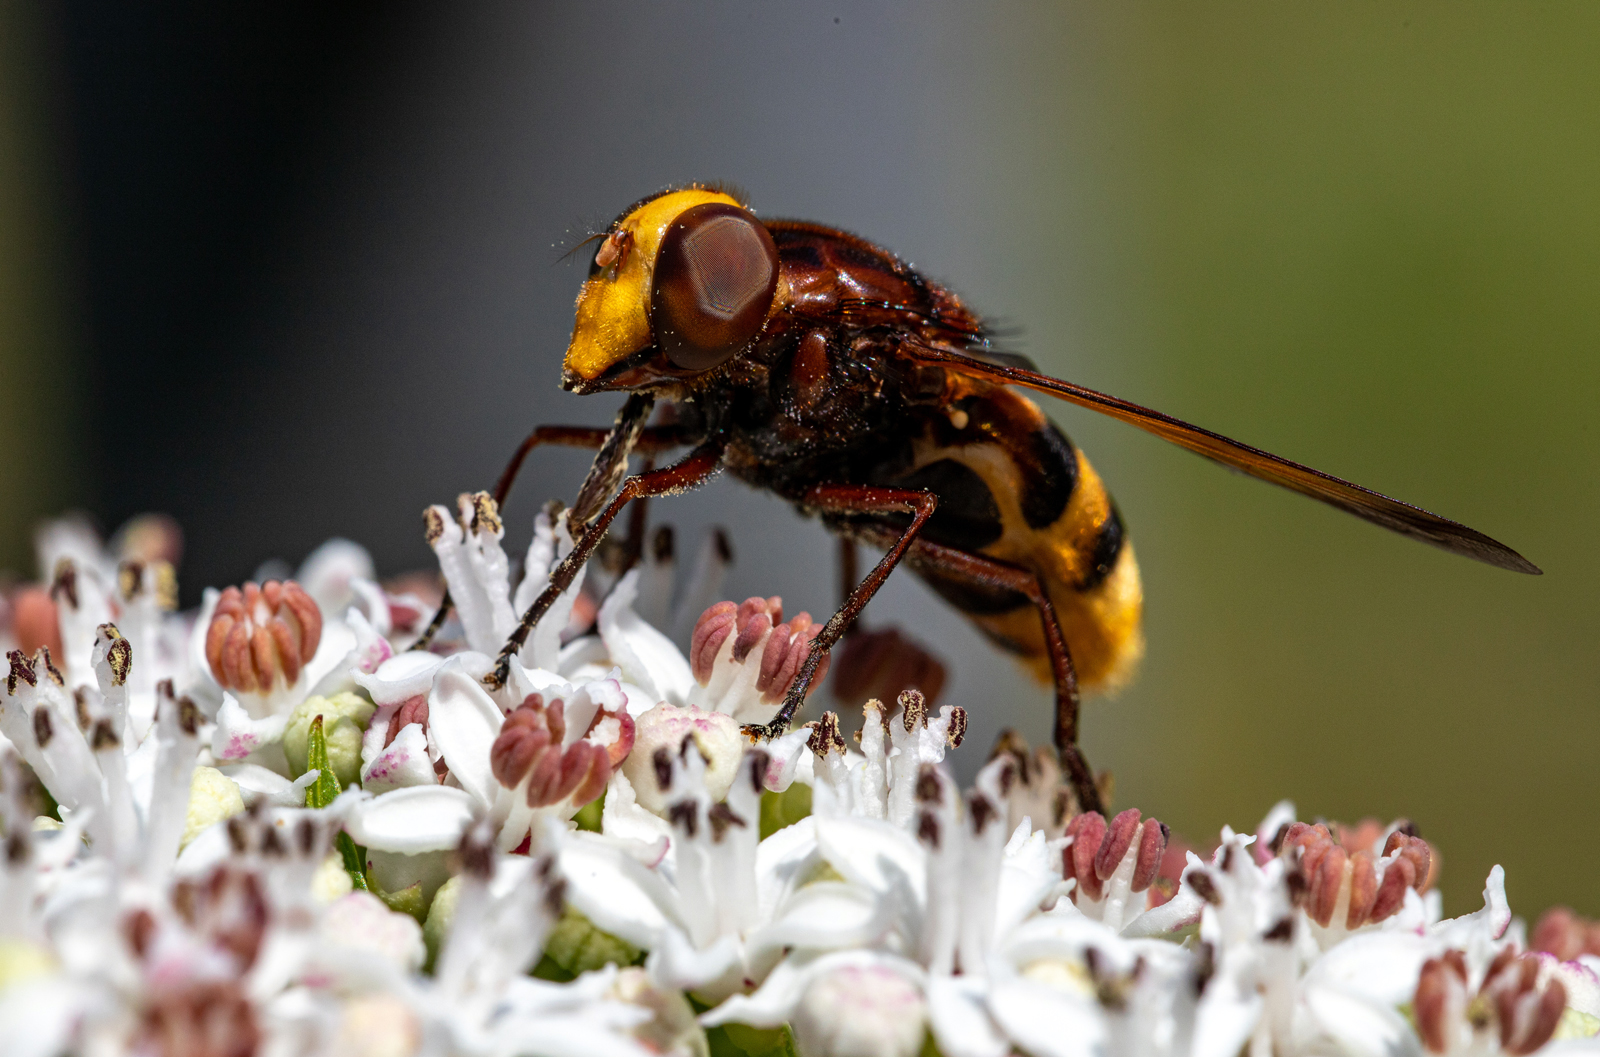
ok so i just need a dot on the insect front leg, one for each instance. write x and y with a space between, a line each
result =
651 440
992 572
691 471
851 499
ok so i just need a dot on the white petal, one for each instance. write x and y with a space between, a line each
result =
616 892
788 756
405 762
464 721
647 657
275 787
869 852
960 1021
237 735
621 817
783 861
39 1016
1027 876
404 675
418 819
825 915
1225 1019
675 963
1381 967
774 1002
327 572
1362 1028
1048 1022
1484 926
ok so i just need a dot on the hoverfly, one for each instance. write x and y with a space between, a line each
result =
820 367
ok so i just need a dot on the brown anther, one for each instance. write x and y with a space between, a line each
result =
825 736
914 710
1205 967
1152 849
42 661
305 837
485 513
957 731
982 811
1363 889
1118 839
104 737
261 635
1281 932
475 853
1325 880
928 829
1087 831
21 671
758 760
928 789
64 582
80 706
661 760
432 525
119 654
1203 886
882 663
685 817
721 817
42 730
139 928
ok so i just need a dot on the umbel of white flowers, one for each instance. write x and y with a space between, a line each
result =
267 828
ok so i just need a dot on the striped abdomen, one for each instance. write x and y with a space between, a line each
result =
1013 487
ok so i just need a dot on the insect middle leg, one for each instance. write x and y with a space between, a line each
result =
851 499
652 439
681 476
992 572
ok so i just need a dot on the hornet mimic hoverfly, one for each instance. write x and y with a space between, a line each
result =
815 365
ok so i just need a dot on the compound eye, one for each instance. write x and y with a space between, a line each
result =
715 275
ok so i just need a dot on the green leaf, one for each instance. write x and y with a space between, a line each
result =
322 792
354 856
784 809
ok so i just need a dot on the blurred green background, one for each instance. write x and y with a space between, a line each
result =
1366 237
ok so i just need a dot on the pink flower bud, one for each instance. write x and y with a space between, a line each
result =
261 635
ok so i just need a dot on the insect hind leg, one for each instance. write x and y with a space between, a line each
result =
992 573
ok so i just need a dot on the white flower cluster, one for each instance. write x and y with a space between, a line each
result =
269 829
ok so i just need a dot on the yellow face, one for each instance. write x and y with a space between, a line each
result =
614 307
680 286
